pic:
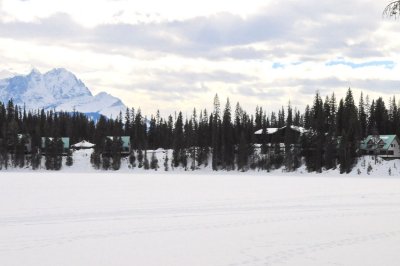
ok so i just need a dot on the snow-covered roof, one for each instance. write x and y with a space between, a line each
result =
273 130
270 130
83 144
372 142
299 129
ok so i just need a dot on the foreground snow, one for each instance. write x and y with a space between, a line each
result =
147 219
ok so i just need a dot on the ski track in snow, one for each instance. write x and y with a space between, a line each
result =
234 220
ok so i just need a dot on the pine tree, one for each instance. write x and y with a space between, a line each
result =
20 153
36 158
363 117
154 161
178 141
132 159
49 157
116 148
57 153
166 168
140 158
216 135
351 135
307 118
289 141
340 119
227 139
105 162
95 159
330 140
243 156
318 125
146 164
69 162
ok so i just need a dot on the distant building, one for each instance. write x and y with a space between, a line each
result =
277 135
65 141
27 140
21 138
385 146
126 143
83 145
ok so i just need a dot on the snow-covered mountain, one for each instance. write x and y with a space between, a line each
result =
6 74
60 90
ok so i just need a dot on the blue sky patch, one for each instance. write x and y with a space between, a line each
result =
385 63
277 65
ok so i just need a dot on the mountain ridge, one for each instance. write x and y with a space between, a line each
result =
60 90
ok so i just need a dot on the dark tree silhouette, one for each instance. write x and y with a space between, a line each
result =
392 10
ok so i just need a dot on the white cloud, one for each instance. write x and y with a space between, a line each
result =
177 54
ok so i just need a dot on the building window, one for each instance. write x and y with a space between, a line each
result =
390 152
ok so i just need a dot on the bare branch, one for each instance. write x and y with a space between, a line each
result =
392 10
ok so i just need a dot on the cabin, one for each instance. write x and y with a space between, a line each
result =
385 146
277 135
21 138
27 140
83 145
126 143
65 141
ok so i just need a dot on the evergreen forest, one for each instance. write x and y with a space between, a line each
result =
222 138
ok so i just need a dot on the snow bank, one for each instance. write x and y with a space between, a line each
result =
366 166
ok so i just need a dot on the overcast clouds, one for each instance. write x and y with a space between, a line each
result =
177 54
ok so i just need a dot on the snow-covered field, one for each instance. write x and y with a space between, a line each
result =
182 219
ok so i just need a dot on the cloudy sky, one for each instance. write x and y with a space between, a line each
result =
176 54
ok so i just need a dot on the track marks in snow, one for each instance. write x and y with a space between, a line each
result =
286 255
239 221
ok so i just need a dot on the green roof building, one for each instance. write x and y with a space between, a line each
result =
126 143
385 146
65 141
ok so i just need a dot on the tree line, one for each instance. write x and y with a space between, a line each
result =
222 138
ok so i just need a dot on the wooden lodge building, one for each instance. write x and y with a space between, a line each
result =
277 135
385 146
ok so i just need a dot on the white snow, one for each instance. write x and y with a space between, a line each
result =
6 74
185 219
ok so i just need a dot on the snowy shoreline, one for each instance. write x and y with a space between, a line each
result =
379 168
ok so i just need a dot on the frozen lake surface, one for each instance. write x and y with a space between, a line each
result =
183 219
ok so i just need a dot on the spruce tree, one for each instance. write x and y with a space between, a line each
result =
363 117
154 161
69 162
318 125
57 153
140 158
351 135
227 139
95 159
289 141
216 135
178 147
166 159
243 156
146 164
132 159
36 158
116 149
